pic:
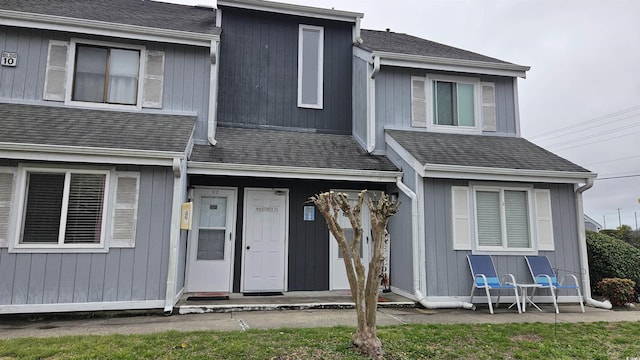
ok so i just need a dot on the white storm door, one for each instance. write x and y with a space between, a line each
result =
212 241
337 272
265 240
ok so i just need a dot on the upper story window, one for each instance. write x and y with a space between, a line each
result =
452 104
106 75
310 66
102 74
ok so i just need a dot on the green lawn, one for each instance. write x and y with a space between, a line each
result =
510 341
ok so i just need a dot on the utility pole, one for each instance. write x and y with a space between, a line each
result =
619 221
604 218
635 214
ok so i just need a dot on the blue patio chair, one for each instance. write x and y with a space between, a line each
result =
485 277
542 273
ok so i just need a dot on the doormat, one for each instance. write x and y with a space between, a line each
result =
273 293
204 296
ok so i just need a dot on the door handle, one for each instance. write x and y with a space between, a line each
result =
248 247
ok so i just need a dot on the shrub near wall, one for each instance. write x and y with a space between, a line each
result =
612 258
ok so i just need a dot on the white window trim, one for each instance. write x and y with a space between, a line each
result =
488 250
477 104
71 63
16 246
319 104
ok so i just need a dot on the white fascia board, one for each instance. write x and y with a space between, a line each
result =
89 306
62 153
94 27
291 9
501 174
290 172
416 165
457 65
362 54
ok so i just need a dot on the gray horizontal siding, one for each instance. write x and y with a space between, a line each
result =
259 76
119 275
448 271
186 76
393 100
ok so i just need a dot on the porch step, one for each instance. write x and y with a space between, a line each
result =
225 308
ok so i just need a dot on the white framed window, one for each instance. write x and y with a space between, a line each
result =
452 104
68 209
501 219
93 73
310 66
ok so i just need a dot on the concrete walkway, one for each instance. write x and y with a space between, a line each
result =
11 327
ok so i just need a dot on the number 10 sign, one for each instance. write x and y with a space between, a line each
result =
9 58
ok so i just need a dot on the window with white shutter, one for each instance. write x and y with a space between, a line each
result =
7 181
488 106
153 80
56 74
125 210
418 102
544 224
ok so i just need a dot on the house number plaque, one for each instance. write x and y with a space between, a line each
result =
9 58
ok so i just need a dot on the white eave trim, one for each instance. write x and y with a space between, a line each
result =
38 152
291 9
446 64
85 26
501 174
290 172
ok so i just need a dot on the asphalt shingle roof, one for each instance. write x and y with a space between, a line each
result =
130 12
52 125
480 151
399 43
288 148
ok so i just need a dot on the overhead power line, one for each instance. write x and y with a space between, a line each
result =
574 131
618 177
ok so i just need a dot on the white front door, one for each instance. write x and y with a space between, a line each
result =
337 271
212 241
265 240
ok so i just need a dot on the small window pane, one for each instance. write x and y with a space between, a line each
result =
517 218
465 105
443 103
123 76
213 212
84 213
488 215
310 61
43 208
91 66
211 244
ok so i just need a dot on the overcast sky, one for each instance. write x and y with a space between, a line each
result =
581 98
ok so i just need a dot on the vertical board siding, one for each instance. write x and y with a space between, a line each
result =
308 252
186 77
448 271
400 246
258 77
120 275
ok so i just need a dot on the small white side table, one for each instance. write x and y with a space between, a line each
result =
524 290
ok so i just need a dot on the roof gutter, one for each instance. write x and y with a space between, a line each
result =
208 168
95 27
582 247
291 9
87 154
503 174
447 64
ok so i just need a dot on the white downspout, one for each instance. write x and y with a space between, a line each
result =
418 255
213 92
179 179
582 245
371 112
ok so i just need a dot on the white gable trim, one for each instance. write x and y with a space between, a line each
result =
291 9
446 64
84 26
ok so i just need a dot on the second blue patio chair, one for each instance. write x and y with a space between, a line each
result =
543 275
485 277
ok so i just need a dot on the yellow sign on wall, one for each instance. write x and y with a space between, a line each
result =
186 216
